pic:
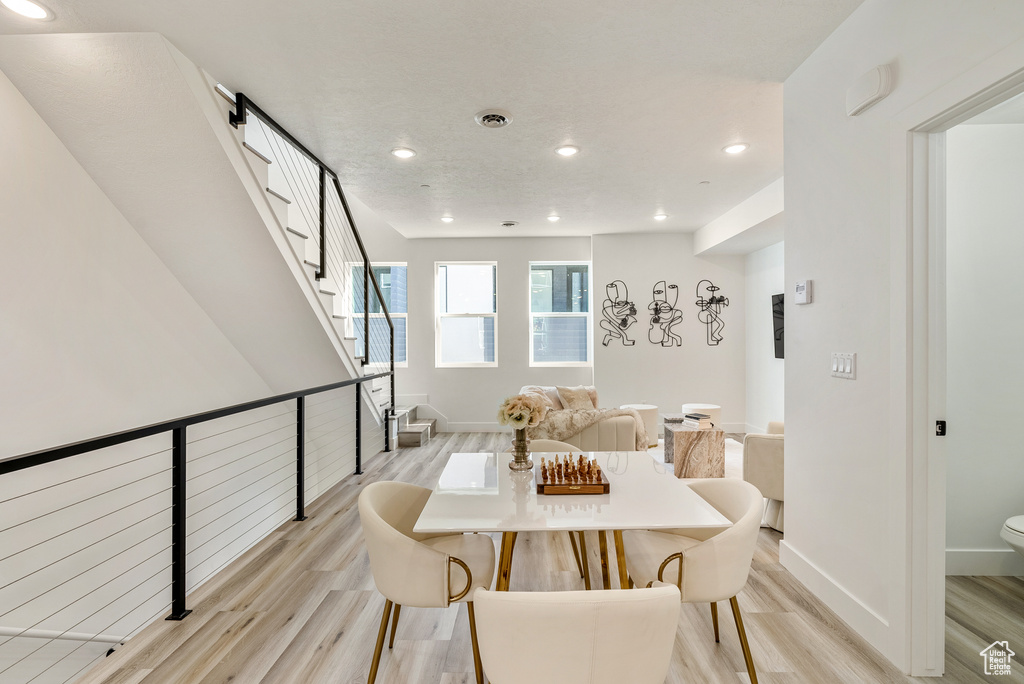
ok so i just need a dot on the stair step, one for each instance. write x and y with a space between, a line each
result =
414 434
256 152
431 423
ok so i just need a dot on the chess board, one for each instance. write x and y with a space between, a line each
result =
565 475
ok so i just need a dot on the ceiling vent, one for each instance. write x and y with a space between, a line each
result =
493 118
509 224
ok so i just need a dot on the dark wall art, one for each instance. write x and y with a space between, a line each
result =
778 327
618 314
709 310
664 315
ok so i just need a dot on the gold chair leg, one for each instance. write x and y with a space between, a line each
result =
606 579
714 619
586 563
394 625
380 641
477 665
620 557
743 639
508 541
575 552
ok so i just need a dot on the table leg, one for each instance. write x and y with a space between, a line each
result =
508 543
586 563
606 579
620 556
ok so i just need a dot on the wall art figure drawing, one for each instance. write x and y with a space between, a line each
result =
664 315
619 314
710 311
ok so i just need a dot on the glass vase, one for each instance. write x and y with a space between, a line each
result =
520 452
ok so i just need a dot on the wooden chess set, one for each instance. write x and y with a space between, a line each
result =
566 476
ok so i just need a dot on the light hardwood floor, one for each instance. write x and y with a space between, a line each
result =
301 608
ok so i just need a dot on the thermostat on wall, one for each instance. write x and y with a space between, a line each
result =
803 292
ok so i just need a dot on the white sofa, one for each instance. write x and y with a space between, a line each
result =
614 433
763 460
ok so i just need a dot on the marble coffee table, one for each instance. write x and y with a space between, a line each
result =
695 453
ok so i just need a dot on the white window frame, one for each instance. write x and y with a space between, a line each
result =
438 316
350 296
588 314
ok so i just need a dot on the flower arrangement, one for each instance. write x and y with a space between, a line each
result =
522 411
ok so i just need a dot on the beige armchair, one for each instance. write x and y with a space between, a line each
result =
763 459
706 566
578 637
412 569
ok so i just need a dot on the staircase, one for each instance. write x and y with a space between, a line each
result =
413 431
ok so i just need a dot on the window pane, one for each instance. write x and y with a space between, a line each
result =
568 288
467 340
466 288
560 339
379 338
392 281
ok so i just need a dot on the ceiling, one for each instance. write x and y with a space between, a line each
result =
650 91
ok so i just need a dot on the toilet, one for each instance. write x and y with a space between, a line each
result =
1013 533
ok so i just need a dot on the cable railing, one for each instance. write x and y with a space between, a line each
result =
100 538
319 210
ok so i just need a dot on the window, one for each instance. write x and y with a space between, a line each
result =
392 280
560 314
467 319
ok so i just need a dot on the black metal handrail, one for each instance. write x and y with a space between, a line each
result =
244 105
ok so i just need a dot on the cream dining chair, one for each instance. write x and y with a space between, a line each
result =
706 566
577 637
550 446
421 570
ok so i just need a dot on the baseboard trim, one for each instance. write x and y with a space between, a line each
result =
478 427
984 562
862 619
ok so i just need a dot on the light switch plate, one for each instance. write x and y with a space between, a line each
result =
844 365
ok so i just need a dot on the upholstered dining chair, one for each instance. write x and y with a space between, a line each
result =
421 570
577 637
707 566
550 446
764 459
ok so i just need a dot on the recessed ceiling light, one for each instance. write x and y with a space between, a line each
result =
660 217
400 152
567 150
28 9
447 219
553 218
735 149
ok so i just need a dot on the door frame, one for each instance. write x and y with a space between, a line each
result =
918 349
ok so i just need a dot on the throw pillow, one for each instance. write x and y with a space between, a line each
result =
550 392
593 395
575 397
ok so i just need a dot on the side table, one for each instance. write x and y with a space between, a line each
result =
695 453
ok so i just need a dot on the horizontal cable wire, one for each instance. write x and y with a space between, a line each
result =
76 527
291 431
195 549
290 466
198 440
225 563
62 508
165 450
193 495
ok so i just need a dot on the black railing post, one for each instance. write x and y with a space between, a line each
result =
366 311
389 415
300 459
237 117
178 482
322 271
359 428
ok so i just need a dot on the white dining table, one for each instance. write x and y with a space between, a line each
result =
479 493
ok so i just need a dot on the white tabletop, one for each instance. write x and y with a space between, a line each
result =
478 493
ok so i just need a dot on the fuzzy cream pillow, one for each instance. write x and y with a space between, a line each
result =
576 397
550 392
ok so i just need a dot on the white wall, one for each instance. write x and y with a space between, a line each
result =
469 397
984 298
765 379
846 493
97 335
671 376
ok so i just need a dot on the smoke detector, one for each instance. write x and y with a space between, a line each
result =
509 224
493 118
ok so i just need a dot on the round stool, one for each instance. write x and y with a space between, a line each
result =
713 410
649 413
